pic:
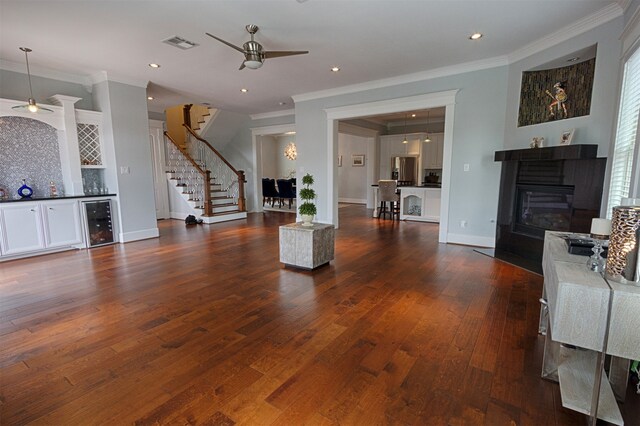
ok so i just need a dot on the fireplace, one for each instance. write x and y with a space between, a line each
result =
542 207
556 188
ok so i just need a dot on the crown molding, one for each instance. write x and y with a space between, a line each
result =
404 79
602 16
282 113
631 34
624 4
45 72
102 76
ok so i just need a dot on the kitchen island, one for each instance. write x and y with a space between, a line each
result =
419 203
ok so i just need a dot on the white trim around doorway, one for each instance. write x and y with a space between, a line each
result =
430 100
257 158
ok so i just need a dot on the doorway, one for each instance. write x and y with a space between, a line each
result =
432 100
266 145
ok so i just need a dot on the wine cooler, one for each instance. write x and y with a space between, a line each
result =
99 226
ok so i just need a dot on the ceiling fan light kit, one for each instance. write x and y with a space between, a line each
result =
254 54
31 105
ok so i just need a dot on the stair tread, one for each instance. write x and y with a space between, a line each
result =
225 213
224 205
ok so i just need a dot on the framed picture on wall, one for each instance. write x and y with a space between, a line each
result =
566 137
339 160
357 160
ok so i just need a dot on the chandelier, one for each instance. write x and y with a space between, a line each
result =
290 151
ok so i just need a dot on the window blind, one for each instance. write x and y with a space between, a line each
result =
627 129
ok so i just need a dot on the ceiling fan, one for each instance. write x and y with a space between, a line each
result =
254 55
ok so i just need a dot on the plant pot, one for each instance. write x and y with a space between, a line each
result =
306 219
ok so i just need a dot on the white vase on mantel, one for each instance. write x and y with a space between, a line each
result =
306 219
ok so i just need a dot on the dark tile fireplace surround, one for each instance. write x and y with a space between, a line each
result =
557 188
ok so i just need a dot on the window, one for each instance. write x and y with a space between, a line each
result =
627 129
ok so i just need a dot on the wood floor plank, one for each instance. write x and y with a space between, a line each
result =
205 326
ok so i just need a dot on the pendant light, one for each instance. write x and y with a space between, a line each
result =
31 105
405 130
427 138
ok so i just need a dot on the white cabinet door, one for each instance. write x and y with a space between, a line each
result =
62 223
439 151
22 228
434 151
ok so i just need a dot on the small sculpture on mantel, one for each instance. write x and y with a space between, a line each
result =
537 142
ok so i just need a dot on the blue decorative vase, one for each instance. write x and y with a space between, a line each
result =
25 190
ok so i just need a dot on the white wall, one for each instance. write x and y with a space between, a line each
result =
285 166
353 182
269 147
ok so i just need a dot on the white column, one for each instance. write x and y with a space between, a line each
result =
69 149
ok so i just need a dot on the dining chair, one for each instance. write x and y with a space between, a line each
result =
388 193
285 189
269 191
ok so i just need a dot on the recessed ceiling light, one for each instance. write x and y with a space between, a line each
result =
290 133
335 69
154 65
413 116
243 90
150 98
575 58
475 36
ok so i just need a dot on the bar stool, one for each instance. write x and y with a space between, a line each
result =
388 193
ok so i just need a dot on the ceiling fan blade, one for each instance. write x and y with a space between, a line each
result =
280 53
242 66
239 49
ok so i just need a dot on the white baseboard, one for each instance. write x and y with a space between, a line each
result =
179 215
352 200
144 234
471 240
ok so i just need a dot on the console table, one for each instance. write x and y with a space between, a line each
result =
584 317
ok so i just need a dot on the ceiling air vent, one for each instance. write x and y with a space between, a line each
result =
180 43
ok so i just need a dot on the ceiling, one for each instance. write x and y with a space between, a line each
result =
368 40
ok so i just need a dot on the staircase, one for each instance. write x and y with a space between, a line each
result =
210 188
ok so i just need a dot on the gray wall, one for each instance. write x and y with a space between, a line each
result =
239 151
15 85
126 127
478 132
596 128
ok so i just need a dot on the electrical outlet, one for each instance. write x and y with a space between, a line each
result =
466 167
463 224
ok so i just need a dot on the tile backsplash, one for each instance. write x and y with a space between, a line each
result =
29 150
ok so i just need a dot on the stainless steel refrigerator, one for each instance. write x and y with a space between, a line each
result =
404 169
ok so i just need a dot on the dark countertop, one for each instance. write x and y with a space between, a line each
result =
66 197
426 185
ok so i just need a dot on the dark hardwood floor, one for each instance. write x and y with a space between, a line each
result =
205 326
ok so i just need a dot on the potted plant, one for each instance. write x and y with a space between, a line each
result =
308 208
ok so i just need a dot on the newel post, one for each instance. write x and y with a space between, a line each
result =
242 202
207 193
